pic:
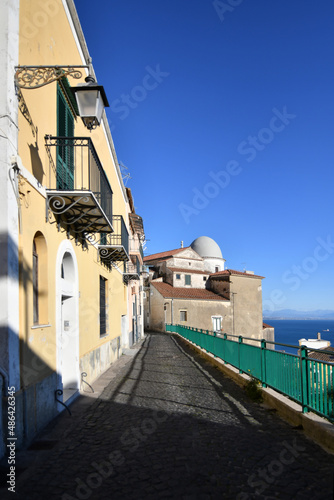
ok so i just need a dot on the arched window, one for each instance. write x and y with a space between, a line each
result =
40 280
35 283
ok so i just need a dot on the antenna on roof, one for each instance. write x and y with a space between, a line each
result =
181 243
125 173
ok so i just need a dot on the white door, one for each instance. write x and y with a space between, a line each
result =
68 347
67 321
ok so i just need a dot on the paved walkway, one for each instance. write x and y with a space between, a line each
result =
168 425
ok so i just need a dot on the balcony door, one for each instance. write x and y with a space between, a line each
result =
65 151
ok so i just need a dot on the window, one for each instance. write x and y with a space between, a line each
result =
216 269
216 323
35 284
178 276
65 152
183 316
103 306
204 278
187 279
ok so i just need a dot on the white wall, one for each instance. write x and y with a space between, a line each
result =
9 284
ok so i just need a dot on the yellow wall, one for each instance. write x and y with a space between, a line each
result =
47 39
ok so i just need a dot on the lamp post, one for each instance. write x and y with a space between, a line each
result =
90 97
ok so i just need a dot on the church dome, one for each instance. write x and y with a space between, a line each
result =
206 247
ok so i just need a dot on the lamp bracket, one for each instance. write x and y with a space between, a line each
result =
34 77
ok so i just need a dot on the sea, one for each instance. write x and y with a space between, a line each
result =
289 331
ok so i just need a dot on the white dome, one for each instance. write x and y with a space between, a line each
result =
206 247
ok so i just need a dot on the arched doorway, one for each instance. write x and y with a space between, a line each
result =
67 313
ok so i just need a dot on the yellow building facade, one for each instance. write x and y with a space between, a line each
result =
64 219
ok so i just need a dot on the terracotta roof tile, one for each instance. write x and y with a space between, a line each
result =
323 356
232 272
169 291
265 325
163 255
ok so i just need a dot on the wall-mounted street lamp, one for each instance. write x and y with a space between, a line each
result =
90 97
91 100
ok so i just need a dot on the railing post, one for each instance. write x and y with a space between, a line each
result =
239 349
263 363
224 348
304 378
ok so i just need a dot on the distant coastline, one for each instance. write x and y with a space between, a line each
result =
292 314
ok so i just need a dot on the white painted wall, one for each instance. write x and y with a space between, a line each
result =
9 284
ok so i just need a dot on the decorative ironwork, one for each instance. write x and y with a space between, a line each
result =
82 213
84 374
25 111
131 271
34 77
115 247
59 392
78 194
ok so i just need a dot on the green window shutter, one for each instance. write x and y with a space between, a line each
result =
65 151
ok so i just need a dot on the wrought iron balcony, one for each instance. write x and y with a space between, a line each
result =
131 270
78 191
115 247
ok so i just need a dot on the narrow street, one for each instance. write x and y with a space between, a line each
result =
168 425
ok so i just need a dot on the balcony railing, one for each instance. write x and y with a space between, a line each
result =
131 270
115 247
79 193
306 380
136 247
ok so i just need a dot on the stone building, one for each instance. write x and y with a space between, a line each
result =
190 286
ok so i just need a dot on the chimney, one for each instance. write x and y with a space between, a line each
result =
319 336
181 244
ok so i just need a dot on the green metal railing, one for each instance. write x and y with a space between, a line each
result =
304 380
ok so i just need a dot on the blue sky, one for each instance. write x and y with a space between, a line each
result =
223 113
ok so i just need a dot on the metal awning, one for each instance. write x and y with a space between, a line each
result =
110 253
115 247
78 210
78 190
131 271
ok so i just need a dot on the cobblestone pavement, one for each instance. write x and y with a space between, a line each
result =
169 425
